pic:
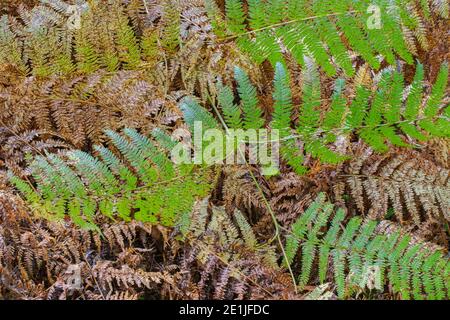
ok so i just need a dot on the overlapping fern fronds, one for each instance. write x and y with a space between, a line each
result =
89 91
223 253
386 114
266 30
42 260
323 246
359 252
401 183
145 186
173 40
56 37
16 148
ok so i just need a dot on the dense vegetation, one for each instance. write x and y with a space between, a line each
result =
95 95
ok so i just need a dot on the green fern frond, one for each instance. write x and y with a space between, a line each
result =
413 103
246 230
129 50
281 117
441 127
82 185
379 118
249 101
357 248
231 111
171 21
193 112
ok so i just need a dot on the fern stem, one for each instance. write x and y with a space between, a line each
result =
281 24
205 248
360 127
266 202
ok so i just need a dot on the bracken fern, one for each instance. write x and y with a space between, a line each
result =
317 29
358 252
145 185
381 117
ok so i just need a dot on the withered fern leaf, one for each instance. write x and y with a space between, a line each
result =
139 182
360 252
326 30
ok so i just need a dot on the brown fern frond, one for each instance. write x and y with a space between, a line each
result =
291 194
11 6
78 109
221 262
239 190
37 256
405 184
109 276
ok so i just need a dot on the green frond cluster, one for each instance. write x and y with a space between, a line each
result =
357 254
440 127
317 29
380 117
170 39
247 114
141 183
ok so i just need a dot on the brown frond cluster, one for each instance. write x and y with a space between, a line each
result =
113 281
240 191
288 195
78 109
406 185
16 148
222 259
11 6
97 86
439 149
46 260
291 194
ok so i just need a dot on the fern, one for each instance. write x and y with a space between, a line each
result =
129 50
45 43
249 101
440 127
38 257
171 23
231 111
224 252
360 246
10 46
145 186
376 117
413 189
193 112
315 29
